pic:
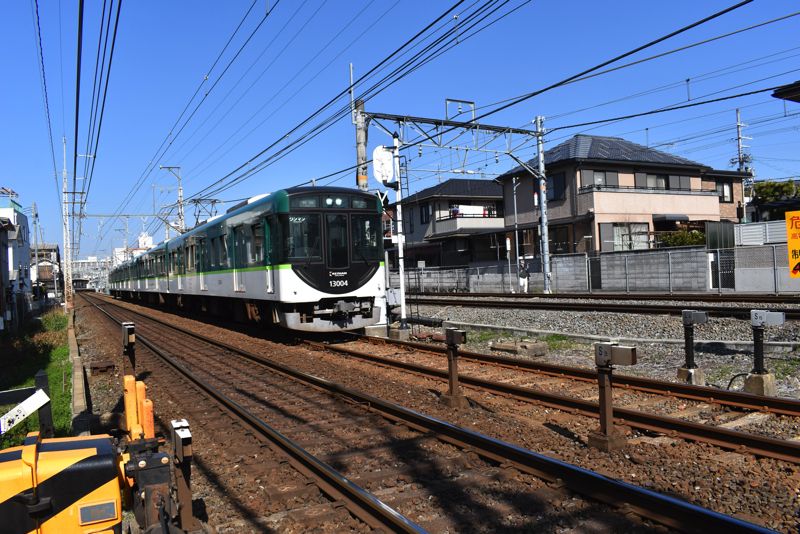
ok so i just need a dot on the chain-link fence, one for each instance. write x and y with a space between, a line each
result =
762 269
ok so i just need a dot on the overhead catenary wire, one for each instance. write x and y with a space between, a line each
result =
48 119
406 68
153 159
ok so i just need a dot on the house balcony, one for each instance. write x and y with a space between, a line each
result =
462 225
621 200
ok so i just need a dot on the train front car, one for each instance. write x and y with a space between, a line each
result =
331 273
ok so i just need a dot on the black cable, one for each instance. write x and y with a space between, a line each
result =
664 110
47 104
98 71
105 95
145 172
397 73
77 93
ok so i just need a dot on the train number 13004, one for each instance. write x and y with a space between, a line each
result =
338 283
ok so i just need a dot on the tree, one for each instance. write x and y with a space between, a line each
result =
771 191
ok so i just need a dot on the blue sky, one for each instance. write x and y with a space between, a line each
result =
298 59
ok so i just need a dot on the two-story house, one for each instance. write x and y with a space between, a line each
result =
607 194
456 222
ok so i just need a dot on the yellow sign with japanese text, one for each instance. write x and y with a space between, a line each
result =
793 242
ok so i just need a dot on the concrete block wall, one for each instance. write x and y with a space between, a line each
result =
569 273
653 270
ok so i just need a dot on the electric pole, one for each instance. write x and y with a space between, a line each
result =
176 171
35 214
67 260
400 237
543 204
361 146
739 138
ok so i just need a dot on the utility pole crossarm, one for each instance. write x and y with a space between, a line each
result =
469 125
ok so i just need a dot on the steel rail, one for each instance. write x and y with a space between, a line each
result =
687 297
669 511
736 399
535 304
363 504
788 451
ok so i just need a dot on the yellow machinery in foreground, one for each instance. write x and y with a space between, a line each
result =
80 484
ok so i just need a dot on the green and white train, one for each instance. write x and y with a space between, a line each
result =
304 258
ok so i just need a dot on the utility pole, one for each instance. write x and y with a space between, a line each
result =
35 214
400 237
361 146
176 171
739 138
543 204
67 245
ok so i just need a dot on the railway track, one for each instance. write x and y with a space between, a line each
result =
723 397
530 303
757 298
450 477
756 444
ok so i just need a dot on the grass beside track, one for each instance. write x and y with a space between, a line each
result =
41 345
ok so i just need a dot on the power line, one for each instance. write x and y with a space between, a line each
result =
155 158
40 50
397 74
664 110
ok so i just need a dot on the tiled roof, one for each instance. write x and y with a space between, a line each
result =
460 188
594 147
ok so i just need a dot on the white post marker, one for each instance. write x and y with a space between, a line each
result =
23 410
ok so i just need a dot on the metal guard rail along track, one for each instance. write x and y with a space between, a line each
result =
730 439
776 405
687 297
664 509
536 304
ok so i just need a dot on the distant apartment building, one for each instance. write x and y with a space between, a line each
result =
455 222
608 194
15 283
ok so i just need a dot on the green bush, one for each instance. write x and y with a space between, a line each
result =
683 238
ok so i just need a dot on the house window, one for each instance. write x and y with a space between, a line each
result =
679 183
657 181
556 187
597 179
725 190
425 213
631 236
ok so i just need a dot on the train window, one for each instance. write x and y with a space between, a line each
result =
336 202
302 236
223 250
305 202
212 251
336 227
367 238
360 203
257 251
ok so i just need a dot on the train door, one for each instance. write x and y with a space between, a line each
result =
239 258
202 263
269 258
179 267
336 236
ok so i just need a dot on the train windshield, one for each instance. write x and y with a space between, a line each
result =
337 240
366 237
302 237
